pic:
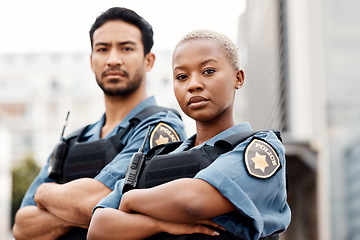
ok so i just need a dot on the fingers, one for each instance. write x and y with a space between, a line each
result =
202 227
211 223
205 230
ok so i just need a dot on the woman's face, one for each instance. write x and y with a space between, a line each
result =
204 80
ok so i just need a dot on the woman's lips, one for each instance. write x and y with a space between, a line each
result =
197 102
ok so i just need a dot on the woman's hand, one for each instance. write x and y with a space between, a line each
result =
190 228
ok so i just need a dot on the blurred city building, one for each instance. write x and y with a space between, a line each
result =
37 90
301 61
5 182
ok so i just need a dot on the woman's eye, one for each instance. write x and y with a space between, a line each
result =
181 77
208 71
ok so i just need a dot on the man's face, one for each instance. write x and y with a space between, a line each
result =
118 58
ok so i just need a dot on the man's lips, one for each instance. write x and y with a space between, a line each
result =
111 73
197 102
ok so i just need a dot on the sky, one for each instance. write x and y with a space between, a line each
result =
37 26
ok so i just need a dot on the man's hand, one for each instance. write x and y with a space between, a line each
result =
72 201
34 223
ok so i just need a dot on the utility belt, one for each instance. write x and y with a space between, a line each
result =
73 159
163 165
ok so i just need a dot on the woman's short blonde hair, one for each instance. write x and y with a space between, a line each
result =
225 42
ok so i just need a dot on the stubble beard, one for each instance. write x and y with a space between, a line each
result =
130 87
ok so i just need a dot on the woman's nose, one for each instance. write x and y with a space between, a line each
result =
195 84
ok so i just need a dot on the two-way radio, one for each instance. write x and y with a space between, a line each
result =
135 164
57 156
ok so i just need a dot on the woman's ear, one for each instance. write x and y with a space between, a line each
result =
239 79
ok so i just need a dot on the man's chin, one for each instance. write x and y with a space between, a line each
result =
118 92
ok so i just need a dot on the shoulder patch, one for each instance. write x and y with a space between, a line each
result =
163 133
261 159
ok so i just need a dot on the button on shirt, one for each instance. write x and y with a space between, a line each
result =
132 140
261 204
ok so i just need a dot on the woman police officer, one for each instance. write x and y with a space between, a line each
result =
243 191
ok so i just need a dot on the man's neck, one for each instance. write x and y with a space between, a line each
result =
118 107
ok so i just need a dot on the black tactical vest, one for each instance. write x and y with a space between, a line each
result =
162 165
86 159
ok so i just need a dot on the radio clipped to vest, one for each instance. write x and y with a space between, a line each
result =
58 155
133 170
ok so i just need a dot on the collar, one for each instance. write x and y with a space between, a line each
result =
94 130
189 143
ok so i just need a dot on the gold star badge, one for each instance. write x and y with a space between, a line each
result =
260 162
261 159
161 140
163 133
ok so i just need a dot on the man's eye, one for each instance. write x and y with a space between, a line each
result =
127 49
101 49
208 71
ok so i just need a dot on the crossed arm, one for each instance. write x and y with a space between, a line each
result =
59 208
32 222
177 207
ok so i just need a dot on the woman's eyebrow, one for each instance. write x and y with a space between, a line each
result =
207 61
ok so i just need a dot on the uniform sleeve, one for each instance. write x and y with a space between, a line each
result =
261 204
113 199
116 169
42 177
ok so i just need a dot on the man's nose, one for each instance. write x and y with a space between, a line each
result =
114 58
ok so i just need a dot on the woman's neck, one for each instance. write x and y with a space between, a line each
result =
208 130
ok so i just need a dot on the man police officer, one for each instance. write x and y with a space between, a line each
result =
121 42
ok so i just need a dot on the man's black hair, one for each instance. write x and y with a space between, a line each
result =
129 16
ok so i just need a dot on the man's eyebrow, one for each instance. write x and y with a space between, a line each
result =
102 44
119 43
126 42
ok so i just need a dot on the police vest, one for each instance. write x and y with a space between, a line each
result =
162 165
87 159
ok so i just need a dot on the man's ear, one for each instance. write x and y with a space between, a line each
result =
240 78
149 61
91 63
